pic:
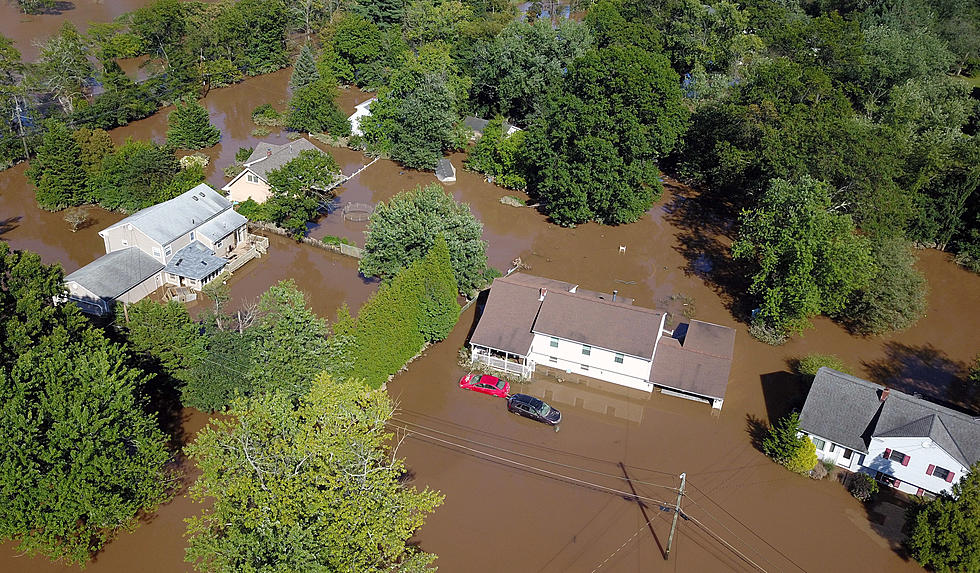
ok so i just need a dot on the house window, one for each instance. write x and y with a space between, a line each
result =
168 251
819 443
554 342
585 368
553 360
941 473
252 178
586 350
125 243
618 359
832 448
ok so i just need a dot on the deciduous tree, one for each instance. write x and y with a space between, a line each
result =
308 488
945 532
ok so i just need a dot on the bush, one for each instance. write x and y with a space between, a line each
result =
253 211
786 447
266 115
243 154
804 458
819 471
763 332
198 159
862 486
809 364
332 240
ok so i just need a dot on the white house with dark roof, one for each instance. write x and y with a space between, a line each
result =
907 442
253 183
477 125
532 321
186 241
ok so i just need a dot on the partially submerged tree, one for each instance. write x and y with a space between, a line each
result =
304 70
785 446
807 258
57 170
313 487
313 109
404 229
190 126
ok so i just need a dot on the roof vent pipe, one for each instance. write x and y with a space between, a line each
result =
542 293
884 394
615 292
268 152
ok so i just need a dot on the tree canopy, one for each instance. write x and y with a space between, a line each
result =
311 487
405 228
190 126
945 532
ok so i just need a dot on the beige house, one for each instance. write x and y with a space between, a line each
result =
186 241
252 183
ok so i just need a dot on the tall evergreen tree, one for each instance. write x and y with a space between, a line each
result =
304 70
438 292
57 170
190 126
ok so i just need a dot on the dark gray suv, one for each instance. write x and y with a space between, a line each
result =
531 407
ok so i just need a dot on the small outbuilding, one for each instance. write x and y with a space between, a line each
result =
445 171
361 111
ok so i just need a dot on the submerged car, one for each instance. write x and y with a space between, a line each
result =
486 384
531 407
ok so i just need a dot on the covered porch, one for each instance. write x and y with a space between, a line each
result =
506 362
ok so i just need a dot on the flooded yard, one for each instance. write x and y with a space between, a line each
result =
520 497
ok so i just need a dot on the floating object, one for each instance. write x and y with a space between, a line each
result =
622 248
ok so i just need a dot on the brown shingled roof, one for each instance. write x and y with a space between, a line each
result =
507 317
700 363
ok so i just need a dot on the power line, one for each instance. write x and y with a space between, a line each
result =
411 433
727 544
620 548
486 445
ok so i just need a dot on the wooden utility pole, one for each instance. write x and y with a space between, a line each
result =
677 512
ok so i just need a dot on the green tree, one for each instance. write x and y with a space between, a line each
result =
166 336
806 258
63 67
304 70
290 341
57 171
307 488
515 71
135 176
404 229
895 297
499 156
94 146
83 458
311 172
786 447
434 20
809 364
438 291
381 12
313 109
945 532
355 50
161 25
225 372
189 126
593 152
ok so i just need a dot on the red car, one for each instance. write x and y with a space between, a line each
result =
486 384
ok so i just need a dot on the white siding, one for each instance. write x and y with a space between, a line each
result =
125 236
922 452
634 372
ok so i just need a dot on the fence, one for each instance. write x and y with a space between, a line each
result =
357 212
348 250
260 246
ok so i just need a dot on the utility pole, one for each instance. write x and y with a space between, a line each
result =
677 512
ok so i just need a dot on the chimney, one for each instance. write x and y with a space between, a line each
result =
268 152
615 292
542 293
884 394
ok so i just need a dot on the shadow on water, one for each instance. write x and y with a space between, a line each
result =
757 429
783 392
9 224
703 238
927 371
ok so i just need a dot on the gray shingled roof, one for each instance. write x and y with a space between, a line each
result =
478 124
220 226
166 221
841 408
268 156
849 411
445 170
195 261
112 274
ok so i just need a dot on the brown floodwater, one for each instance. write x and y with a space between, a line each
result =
546 501
27 30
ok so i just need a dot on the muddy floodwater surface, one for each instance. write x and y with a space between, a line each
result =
519 496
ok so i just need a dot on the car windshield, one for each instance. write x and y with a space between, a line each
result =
476 379
544 410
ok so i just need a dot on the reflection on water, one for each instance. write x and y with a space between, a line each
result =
597 396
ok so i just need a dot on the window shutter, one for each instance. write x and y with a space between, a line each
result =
905 460
930 469
888 452
949 477
896 483
919 492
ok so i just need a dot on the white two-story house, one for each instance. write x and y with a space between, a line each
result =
530 322
907 442
186 241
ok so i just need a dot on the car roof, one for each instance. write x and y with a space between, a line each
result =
526 399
